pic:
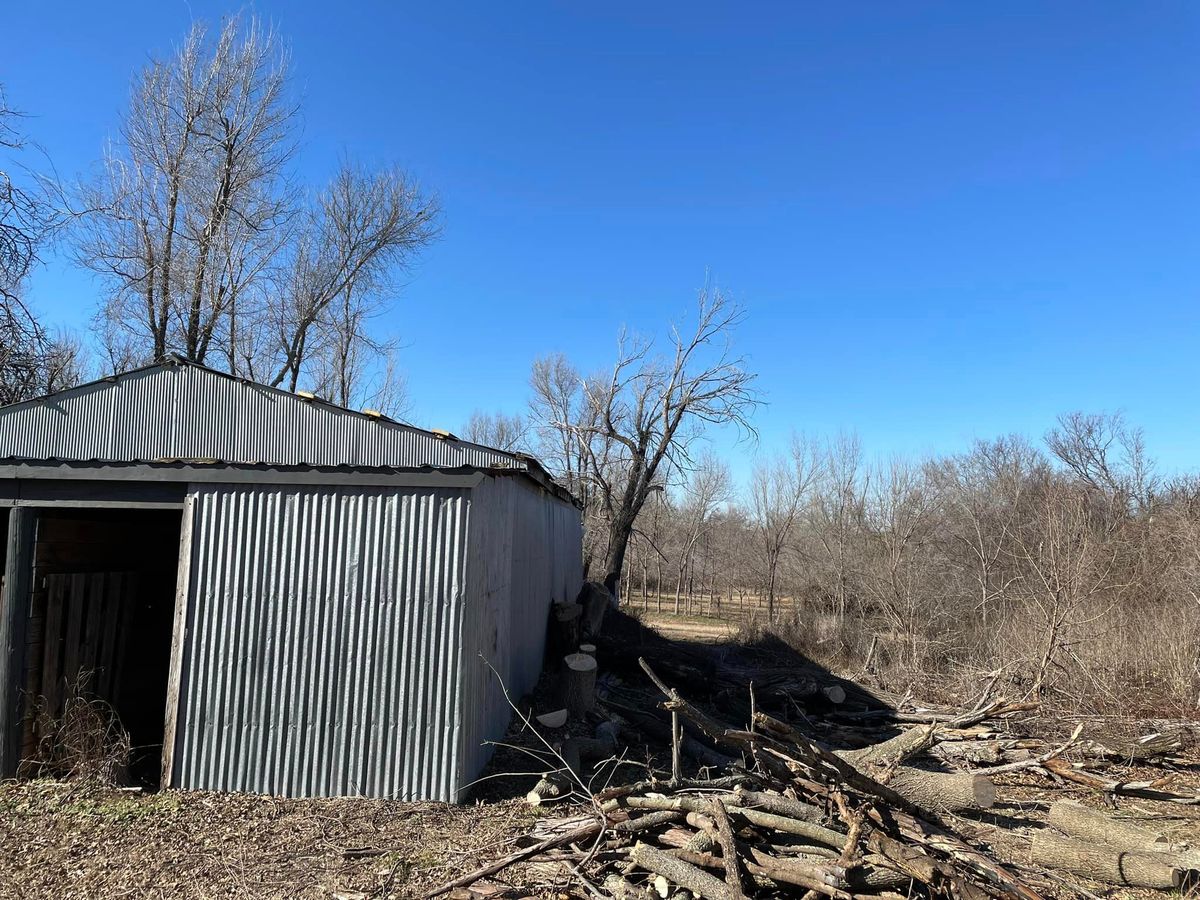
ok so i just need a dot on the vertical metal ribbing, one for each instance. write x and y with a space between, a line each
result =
321 629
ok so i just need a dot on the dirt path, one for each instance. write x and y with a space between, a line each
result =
708 631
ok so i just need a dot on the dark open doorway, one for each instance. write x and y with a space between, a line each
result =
101 613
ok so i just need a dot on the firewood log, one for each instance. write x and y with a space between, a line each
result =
565 628
950 791
1129 868
595 599
1097 827
681 873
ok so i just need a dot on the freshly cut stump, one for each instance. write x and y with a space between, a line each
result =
555 719
579 684
1130 868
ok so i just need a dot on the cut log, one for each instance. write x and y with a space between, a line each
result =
896 750
1128 868
556 719
552 787
566 621
949 791
622 889
680 873
589 649
1097 827
579 684
834 693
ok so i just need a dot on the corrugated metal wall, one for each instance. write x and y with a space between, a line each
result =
169 411
322 651
526 552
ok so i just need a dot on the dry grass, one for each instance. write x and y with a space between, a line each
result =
84 742
64 840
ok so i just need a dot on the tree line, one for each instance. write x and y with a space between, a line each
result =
1066 564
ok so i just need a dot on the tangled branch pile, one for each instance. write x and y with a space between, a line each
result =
775 810
82 740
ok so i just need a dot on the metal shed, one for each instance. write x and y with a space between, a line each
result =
286 596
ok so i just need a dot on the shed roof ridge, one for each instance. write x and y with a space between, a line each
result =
175 360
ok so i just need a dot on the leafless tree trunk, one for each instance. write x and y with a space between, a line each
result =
777 491
643 417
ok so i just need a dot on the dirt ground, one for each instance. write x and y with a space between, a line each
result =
63 841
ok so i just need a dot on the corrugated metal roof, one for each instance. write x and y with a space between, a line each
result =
179 410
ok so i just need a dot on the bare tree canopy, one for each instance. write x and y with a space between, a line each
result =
210 250
363 227
617 432
32 361
497 430
193 191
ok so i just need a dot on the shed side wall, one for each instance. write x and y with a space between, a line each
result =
526 552
322 651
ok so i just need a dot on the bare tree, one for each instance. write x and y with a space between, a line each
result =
836 516
497 430
898 577
364 228
193 190
778 488
643 416
33 361
1105 453
706 489
983 491
1072 564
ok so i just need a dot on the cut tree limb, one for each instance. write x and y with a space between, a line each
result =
896 750
733 871
582 833
680 873
944 791
1100 863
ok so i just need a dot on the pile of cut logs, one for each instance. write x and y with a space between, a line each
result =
781 783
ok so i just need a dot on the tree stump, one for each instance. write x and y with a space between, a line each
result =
579 684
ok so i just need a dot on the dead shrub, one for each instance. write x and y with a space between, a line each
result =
85 742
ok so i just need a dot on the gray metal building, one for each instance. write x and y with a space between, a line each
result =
277 595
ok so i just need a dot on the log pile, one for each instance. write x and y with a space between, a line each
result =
779 786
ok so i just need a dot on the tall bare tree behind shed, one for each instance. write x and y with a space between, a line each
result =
210 249
620 430
192 188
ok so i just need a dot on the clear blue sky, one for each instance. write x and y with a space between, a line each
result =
947 220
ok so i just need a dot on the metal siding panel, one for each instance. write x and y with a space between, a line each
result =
319 621
525 552
188 412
